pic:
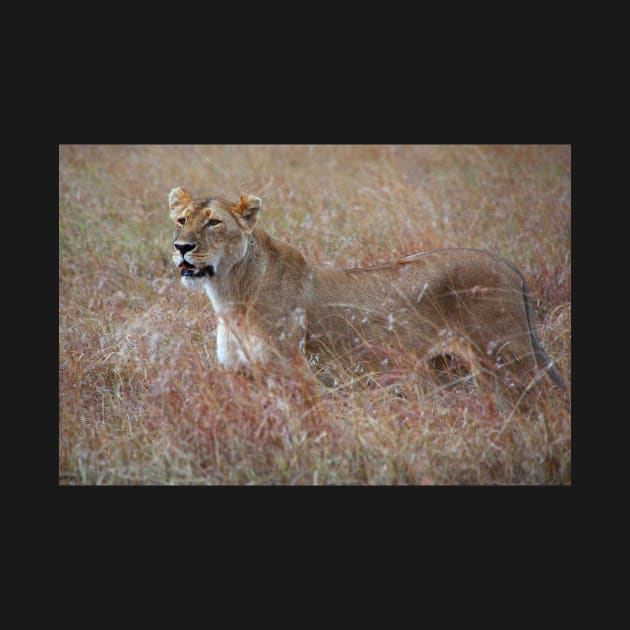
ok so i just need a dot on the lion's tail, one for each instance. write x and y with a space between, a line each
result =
540 354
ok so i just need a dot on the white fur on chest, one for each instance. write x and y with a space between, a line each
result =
213 295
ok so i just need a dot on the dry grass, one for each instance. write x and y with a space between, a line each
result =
141 400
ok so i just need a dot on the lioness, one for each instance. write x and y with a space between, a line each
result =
270 303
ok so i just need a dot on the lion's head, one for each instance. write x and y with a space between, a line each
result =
211 234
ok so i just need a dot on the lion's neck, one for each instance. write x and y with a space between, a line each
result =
231 291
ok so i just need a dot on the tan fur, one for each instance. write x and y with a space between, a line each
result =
271 304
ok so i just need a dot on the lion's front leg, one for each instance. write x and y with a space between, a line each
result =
246 341
227 347
237 347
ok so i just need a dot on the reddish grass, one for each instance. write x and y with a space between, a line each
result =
141 398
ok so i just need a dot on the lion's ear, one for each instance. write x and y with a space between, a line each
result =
177 198
246 211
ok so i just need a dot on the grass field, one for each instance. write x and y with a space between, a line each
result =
141 399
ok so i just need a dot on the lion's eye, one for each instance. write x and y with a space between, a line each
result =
181 220
213 222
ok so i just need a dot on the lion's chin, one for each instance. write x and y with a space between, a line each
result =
195 278
194 283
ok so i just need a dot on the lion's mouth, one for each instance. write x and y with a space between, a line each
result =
191 270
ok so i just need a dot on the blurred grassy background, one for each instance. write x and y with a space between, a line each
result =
141 400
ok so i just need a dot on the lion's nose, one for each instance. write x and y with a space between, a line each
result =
184 247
